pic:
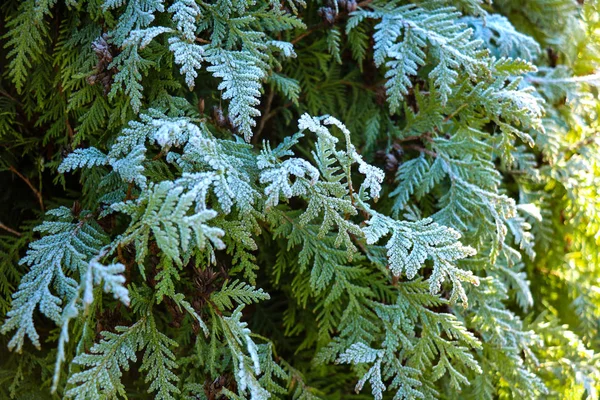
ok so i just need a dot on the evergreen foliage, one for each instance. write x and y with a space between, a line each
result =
264 199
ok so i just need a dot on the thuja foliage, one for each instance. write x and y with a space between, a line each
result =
302 199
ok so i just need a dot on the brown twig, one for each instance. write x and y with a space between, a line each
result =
422 137
265 117
584 142
305 34
70 130
128 196
214 307
455 112
28 182
6 228
7 95
159 155
421 149
123 260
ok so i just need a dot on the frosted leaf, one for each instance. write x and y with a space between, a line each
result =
373 178
185 14
241 76
83 158
143 37
189 56
412 243
285 47
280 182
67 247
112 278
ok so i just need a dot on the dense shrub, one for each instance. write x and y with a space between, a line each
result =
278 199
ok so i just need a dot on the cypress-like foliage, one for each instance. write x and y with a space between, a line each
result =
261 199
